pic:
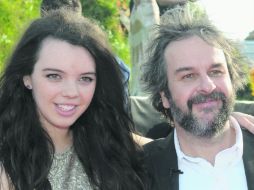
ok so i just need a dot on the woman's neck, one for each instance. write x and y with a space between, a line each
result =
62 139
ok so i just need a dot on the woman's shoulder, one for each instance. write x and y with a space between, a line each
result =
4 180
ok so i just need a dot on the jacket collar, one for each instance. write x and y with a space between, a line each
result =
248 158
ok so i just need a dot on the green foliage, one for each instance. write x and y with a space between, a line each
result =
246 93
14 15
107 14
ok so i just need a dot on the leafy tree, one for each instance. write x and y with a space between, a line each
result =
107 14
248 92
14 15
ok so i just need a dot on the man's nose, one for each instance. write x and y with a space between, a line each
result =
206 85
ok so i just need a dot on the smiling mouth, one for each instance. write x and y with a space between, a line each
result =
65 108
208 101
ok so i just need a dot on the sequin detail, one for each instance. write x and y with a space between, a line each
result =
67 172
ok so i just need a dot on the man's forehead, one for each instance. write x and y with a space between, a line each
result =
193 51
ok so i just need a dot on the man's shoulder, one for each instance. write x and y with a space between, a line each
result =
247 136
159 145
160 159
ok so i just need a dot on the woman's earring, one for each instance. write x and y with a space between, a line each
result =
28 86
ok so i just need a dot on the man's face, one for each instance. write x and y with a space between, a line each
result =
201 94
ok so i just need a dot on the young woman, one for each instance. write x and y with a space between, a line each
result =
62 119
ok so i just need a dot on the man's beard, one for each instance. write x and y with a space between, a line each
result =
198 127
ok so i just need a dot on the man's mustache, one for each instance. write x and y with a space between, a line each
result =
201 98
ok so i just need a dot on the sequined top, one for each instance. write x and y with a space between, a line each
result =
67 172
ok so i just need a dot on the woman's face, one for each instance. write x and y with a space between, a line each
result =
62 83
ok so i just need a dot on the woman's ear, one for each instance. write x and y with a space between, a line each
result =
27 82
164 99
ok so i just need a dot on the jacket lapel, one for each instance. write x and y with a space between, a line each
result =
248 158
172 164
165 163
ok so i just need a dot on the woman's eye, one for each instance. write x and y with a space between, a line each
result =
86 79
53 76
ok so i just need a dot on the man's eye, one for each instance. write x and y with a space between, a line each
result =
215 73
189 76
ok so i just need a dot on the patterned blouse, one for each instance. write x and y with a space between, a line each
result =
67 172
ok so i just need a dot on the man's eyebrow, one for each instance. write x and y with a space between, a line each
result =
216 65
182 69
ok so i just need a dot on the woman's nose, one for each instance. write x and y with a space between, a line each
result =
70 89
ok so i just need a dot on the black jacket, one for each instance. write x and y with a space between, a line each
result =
162 165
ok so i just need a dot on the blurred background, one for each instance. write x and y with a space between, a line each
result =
235 18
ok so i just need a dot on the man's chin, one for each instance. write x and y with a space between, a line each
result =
206 116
